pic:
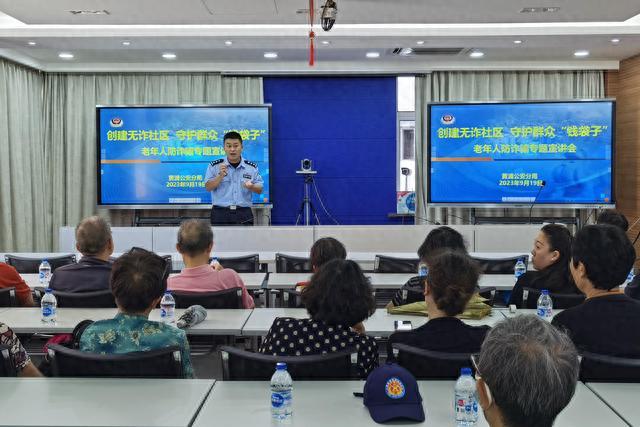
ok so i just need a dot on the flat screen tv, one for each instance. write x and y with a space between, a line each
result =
157 156
514 154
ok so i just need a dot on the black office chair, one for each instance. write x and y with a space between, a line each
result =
97 299
488 293
25 265
241 264
602 368
8 297
427 364
387 264
7 369
292 264
530 299
500 265
161 363
228 298
240 365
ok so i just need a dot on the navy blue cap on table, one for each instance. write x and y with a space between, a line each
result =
391 393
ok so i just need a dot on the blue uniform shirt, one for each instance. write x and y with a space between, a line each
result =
231 191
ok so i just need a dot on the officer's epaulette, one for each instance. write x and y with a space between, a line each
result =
216 162
251 164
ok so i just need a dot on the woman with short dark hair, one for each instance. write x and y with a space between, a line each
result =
550 257
450 284
339 298
323 250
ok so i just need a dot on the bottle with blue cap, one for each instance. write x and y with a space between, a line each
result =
168 309
44 273
48 307
545 305
520 268
281 394
423 270
465 404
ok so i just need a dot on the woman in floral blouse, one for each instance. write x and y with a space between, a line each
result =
138 282
17 353
338 298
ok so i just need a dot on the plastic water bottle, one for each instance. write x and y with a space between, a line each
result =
168 309
48 306
520 268
466 399
215 263
281 389
545 305
631 276
44 273
423 270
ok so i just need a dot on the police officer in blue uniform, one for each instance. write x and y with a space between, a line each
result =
232 182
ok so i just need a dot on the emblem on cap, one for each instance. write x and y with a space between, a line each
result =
394 388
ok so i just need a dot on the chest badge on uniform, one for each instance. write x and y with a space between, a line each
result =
247 176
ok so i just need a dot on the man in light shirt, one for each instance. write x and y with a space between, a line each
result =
195 242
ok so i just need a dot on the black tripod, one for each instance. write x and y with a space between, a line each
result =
306 207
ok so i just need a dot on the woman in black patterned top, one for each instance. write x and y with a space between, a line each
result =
19 357
338 298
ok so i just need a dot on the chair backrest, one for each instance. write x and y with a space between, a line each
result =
602 368
241 264
160 363
238 364
388 264
411 295
25 265
427 364
227 298
292 264
8 297
7 369
530 299
500 265
97 299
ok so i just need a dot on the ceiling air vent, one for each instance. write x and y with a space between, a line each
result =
430 51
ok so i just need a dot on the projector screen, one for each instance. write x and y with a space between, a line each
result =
515 153
156 156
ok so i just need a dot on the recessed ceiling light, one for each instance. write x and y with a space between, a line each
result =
552 9
581 53
228 42
126 43
373 54
169 55
517 41
476 54
615 41
420 42
326 42
65 55
271 55
32 43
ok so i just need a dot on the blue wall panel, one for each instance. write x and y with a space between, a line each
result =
347 126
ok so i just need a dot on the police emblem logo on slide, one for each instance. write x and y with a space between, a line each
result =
447 119
116 122
394 388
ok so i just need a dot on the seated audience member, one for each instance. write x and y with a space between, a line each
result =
613 217
138 282
338 298
91 273
616 218
17 353
551 250
606 322
9 278
526 373
323 251
452 281
437 240
195 242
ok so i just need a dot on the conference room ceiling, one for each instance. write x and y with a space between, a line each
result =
192 12
35 32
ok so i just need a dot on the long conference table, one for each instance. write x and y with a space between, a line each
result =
220 322
184 403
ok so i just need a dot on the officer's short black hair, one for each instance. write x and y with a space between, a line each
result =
232 135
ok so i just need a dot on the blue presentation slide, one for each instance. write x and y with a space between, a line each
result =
159 155
504 152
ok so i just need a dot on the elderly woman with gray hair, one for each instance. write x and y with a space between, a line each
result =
527 372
